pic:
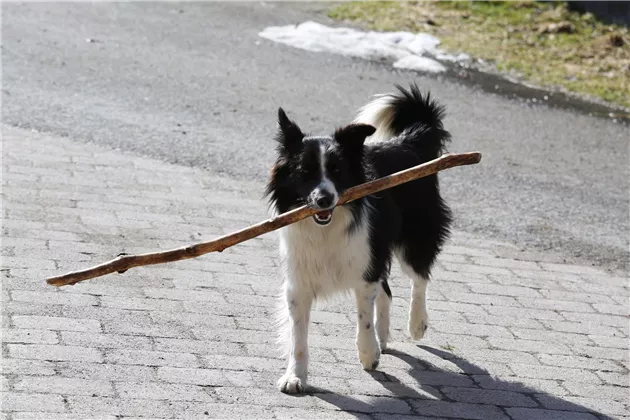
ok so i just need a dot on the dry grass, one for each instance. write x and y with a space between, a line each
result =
544 43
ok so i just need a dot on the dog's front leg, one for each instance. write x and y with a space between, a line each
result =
297 309
369 351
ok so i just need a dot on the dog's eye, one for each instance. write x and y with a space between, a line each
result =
333 168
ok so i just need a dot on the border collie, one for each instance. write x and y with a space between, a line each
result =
350 247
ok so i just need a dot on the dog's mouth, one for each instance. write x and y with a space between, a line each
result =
322 218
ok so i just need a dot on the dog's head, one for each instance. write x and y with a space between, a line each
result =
316 170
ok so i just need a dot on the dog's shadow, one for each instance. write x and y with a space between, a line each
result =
452 394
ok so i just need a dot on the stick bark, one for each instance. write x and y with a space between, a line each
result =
124 262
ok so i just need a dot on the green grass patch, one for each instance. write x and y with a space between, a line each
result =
543 42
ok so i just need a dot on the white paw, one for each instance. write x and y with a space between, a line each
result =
383 338
418 323
369 355
382 345
291 384
382 332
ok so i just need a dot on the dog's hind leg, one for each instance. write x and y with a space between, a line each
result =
296 314
383 302
369 351
418 316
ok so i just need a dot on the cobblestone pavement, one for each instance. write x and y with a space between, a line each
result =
514 335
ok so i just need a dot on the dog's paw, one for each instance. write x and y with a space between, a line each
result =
291 384
383 335
369 355
418 324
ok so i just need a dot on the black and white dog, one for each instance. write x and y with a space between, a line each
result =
350 247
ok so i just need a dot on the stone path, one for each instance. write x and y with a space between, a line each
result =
513 335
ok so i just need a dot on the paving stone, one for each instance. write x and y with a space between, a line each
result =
54 352
578 297
188 319
595 406
287 413
105 340
187 295
4 384
580 327
537 414
601 352
25 415
614 320
520 384
529 345
615 378
457 410
150 358
147 328
23 401
502 356
505 321
555 304
235 336
450 341
491 397
263 397
52 298
23 336
472 329
579 362
431 378
568 268
579 389
27 367
243 363
388 389
607 341
524 313
56 323
106 372
206 377
197 346
366 404
162 391
549 372
67 386
476 269
107 315
141 304
551 336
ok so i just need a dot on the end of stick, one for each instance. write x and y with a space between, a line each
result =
55 282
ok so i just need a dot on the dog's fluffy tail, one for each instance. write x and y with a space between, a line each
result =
416 118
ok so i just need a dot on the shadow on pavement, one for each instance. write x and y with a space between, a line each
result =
493 397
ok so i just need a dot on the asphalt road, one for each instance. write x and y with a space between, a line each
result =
194 84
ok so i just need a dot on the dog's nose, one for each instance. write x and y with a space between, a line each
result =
325 200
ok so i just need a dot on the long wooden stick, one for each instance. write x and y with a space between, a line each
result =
125 262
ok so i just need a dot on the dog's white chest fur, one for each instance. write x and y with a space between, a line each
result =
325 259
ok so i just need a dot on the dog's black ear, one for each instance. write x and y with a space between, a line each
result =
354 135
290 136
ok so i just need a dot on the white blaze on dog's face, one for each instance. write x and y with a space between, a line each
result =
315 170
324 196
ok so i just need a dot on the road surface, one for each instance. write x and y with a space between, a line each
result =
193 84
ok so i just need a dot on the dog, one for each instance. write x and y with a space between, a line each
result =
350 247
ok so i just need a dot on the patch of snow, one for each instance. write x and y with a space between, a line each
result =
414 62
405 49
459 58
